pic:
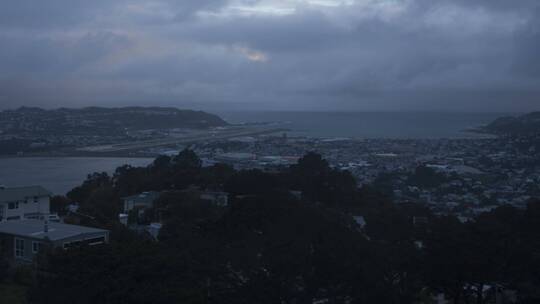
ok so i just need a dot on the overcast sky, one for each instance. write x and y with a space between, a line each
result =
389 55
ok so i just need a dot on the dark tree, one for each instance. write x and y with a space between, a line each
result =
59 204
426 177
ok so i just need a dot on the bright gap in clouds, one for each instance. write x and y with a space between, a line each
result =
283 7
344 13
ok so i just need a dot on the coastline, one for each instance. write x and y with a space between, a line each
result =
479 134
481 131
78 155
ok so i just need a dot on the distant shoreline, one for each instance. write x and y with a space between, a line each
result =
481 130
77 155
120 154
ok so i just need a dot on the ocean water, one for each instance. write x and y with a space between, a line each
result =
58 175
62 174
370 124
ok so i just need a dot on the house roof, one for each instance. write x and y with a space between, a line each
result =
22 193
144 198
34 229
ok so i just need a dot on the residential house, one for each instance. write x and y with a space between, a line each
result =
143 200
24 203
22 240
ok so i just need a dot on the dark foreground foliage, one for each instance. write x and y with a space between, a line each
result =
271 245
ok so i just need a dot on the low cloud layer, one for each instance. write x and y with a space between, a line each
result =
456 55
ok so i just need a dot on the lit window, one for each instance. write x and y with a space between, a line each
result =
19 248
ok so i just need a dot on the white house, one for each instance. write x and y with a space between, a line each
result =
31 202
142 200
22 240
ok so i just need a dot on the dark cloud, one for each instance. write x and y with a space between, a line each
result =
50 13
527 46
51 58
399 55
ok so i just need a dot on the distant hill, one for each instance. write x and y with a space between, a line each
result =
36 130
527 124
150 117
127 118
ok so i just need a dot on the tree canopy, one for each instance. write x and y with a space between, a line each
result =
271 245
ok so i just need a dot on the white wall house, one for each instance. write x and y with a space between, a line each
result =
142 200
22 240
24 203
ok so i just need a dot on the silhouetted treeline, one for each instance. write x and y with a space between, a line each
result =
296 236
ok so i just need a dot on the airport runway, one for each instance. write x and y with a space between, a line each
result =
200 137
